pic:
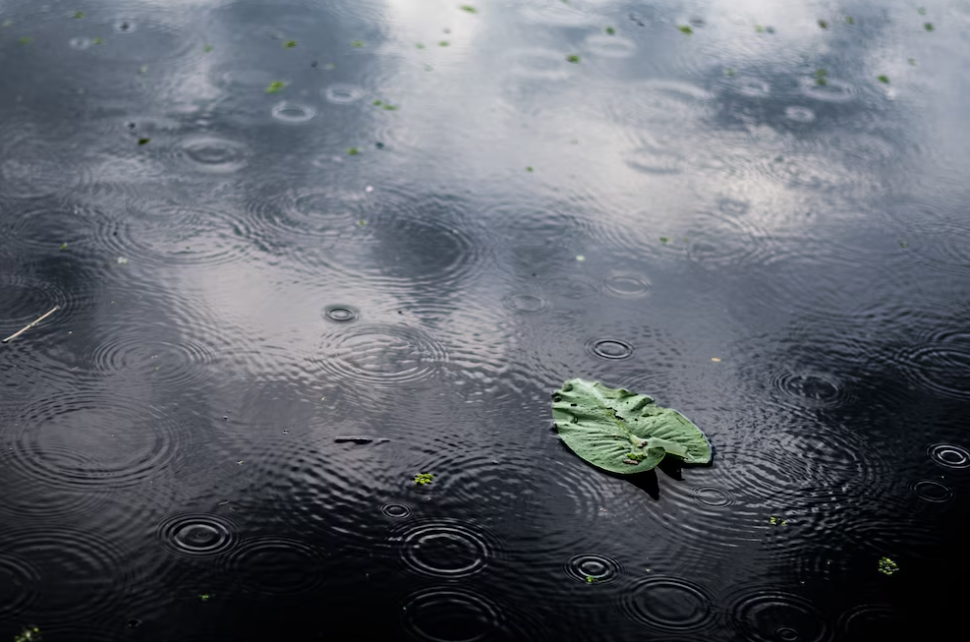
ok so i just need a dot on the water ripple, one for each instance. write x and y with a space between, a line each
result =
451 615
180 363
89 570
940 363
384 354
18 584
949 456
669 603
83 440
275 566
447 548
763 613
592 568
214 155
197 534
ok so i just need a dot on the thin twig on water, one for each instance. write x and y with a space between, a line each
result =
30 325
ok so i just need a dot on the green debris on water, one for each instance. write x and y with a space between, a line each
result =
928 26
26 40
444 43
29 634
78 15
921 11
275 87
207 48
610 31
912 62
730 72
144 141
605 426
883 78
468 8
665 239
289 44
685 29
419 46
821 77
573 58
590 579
63 246
352 151
97 40
378 103
529 168
423 479
887 566
777 521
849 20
205 597
580 258
823 24
903 244
357 43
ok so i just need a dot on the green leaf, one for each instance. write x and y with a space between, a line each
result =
275 87
610 31
78 15
928 26
423 479
469 8
883 79
605 426
352 151
144 141
685 29
289 44
207 48
823 24
887 566
357 43
573 58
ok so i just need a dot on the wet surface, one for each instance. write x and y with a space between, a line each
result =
302 252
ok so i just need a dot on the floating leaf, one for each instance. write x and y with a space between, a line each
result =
353 151
63 246
144 141
469 8
928 26
78 15
529 168
610 31
573 58
665 239
357 43
207 48
887 566
275 87
30 634
423 478
883 79
685 29
443 43
623 432
419 46
823 24
912 61
97 40
849 20
26 40
289 44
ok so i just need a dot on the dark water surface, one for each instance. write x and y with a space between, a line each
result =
435 221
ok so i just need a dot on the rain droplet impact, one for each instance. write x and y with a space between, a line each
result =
627 285
215 155
381 354
525 303
669 603
931 491
341 313
949 456
816 389
275 567
450 615
396 511
445 548
293 113
762 614
592 568
343 93
197 534
712 496
800 114
610 348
